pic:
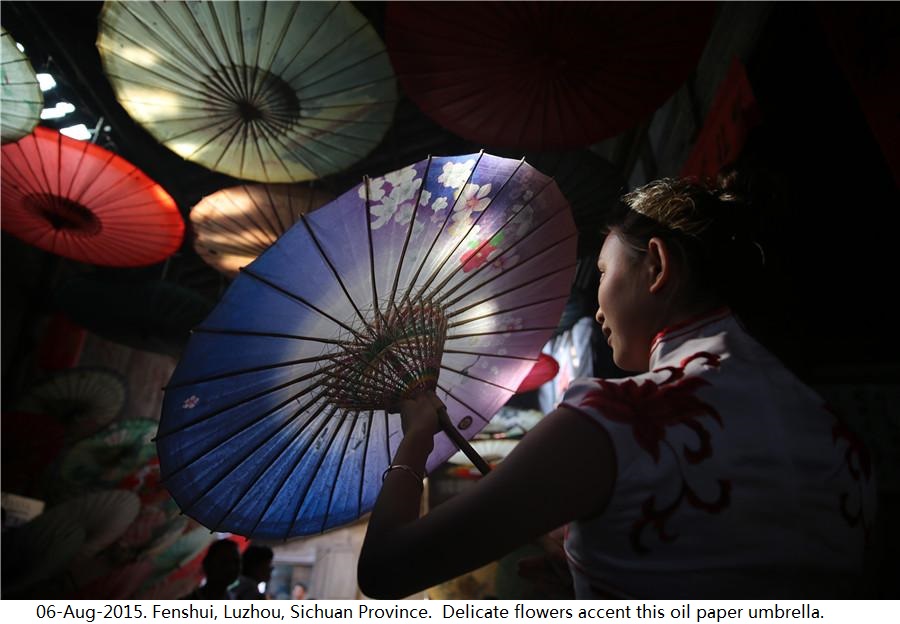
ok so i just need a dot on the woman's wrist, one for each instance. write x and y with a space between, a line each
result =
415 447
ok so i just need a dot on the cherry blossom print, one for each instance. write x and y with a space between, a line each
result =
439 204
191 402
473 198
382 214
376 190
454 175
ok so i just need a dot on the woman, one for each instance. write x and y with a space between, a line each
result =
712 473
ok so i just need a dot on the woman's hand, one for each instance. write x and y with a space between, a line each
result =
420 415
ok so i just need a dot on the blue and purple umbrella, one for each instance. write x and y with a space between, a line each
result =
449 274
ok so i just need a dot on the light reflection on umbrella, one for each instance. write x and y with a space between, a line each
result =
21 99
235 225
265 91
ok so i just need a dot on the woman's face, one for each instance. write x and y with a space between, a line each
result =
625 304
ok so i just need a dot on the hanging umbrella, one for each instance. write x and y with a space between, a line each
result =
105 516
103 459
148 316
233 226
185 549
84 400
80 201
544 75
147 525
31 441
265 91
38 551
450 274
543 371
21 99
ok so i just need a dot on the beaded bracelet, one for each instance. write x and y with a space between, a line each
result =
408 469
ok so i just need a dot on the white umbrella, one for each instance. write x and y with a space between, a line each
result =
266 91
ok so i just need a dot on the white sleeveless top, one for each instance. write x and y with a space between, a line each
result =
733 478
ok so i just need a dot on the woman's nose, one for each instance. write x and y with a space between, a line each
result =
599 316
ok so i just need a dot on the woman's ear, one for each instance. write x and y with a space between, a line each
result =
658 264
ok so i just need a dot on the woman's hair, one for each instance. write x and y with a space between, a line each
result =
709 229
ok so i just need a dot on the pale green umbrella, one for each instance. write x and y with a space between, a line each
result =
265 91
21 99
106 457
84 400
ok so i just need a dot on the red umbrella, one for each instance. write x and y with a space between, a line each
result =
543 75
543 371
81 201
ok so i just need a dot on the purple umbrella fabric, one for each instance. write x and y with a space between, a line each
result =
449 274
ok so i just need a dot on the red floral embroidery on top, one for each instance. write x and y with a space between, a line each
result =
859 465
651 408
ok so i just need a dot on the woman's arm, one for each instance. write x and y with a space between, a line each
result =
564 469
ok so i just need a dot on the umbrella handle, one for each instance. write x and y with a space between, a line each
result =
461 443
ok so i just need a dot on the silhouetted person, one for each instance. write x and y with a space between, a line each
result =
256 568
221 565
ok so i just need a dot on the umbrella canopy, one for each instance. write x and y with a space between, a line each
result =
80 201
106 457
21 99
84 400
185 549
233 226
544 75
543 371
265 91
30 444
147 316
448 274
592 186
105 516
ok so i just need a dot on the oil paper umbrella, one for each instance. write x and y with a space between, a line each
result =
233 226
21 99
543 75
448 274
152 316
105 516
264 91
84 400
106 457
78 200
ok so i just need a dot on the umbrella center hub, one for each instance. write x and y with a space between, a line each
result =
270 101
63 214
396 355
